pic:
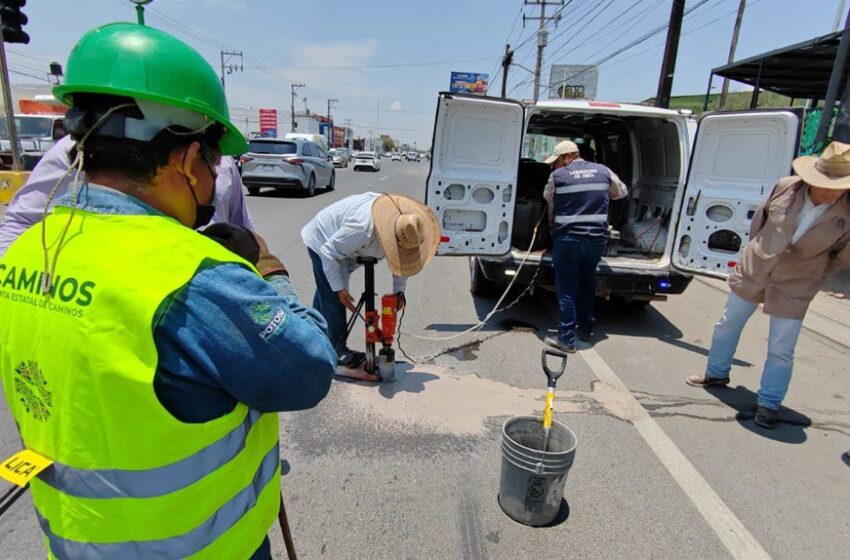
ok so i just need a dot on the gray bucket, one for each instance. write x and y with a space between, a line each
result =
532 484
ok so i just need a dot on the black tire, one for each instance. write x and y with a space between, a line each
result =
638 304
253 191
479 284
311 186
332 182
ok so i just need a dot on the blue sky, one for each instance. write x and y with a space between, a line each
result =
399 54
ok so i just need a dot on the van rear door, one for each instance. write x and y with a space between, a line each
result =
736 161
472 182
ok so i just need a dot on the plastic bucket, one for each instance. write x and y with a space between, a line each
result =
532 482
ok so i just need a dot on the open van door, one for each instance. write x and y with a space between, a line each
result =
736 161
472 182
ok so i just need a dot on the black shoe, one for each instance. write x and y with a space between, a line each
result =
767 417
584 336
562 346
351 358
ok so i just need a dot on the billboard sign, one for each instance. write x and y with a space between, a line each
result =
268 122
469 82
573 81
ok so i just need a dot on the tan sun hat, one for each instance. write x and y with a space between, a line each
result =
829 171
408 231
565 147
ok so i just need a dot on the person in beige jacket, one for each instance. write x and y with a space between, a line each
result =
799 236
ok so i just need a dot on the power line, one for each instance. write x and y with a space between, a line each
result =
611 22
379 66
631 45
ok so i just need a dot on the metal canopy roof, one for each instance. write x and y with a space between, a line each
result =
801 71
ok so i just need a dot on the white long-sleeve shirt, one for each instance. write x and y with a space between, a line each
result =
27 207
342 232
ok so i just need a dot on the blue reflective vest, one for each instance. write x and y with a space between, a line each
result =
581 200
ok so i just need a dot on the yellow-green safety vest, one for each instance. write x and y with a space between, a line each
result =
128 480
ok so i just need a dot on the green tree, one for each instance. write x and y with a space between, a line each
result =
389 144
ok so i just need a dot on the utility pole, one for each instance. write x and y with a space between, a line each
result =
330 122
838 14
834 83
725 91
293 88
226 56
506 63
7 104
542 35
379 118
668 66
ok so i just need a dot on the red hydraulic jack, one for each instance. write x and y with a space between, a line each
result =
380 328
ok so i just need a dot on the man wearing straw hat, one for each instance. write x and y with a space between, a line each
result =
798 237
365 225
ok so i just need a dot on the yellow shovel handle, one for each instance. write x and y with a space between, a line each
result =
547 412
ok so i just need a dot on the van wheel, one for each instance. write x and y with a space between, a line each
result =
253 191
311 186
479 285
332 182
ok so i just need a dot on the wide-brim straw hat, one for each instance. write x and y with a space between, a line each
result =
409 233
829 171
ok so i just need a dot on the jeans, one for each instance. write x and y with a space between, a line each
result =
780 349
326 302
575 259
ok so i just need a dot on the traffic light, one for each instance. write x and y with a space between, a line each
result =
13 21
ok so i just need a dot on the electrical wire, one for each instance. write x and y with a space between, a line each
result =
496 308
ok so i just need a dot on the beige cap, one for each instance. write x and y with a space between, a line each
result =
408 230
829 171
565 147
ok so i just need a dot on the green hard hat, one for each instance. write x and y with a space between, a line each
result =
136 61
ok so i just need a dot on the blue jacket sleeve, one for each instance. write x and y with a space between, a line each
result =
253 339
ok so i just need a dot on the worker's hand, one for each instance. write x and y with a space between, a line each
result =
401 301
346 300
236 239
268 264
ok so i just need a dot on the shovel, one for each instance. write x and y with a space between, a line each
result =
552 379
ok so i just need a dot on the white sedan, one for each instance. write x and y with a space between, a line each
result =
367 160
395 157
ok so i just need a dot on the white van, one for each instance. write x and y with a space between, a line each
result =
693 187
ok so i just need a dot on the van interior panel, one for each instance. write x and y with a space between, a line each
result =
645 152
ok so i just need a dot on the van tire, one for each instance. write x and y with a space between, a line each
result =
480 285
253 191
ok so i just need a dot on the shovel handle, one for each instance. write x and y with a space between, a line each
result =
551 375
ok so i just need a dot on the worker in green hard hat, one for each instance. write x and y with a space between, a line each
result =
143 361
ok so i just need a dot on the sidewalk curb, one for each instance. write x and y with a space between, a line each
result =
814 324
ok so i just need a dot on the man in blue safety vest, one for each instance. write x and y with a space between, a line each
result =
578 193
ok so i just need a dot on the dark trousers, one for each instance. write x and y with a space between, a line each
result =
326 302
575 259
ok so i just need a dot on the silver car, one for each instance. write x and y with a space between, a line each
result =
340 158
286 164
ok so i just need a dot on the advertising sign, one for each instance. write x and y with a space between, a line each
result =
469 82
268 122
573 81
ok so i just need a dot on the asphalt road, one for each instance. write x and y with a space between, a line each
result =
663 470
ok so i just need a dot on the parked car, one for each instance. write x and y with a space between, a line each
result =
367 160
339 158
395 157
694 187
286 164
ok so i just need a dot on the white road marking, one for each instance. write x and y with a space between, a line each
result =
383 179
732 533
